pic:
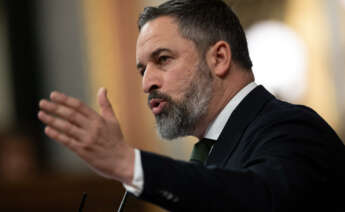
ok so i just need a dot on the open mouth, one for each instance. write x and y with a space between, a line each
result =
157 105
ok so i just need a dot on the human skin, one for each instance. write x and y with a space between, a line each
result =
96 138
168 62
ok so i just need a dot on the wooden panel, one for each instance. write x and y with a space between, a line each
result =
64 193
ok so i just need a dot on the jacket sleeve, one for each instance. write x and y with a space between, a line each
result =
280 172
183 186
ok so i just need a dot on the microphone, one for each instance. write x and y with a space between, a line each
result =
83 199
120 209
123 202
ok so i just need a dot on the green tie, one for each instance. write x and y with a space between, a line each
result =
201 150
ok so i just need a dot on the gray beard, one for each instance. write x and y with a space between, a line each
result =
180 118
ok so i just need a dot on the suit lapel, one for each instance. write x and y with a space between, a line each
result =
239 120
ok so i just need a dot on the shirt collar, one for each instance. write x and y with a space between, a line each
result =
216 127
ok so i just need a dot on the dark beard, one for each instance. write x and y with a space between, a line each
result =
179 118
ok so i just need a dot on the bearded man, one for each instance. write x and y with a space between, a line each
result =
265 154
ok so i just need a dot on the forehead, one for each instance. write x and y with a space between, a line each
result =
161 32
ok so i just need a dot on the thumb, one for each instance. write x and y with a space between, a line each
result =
105 105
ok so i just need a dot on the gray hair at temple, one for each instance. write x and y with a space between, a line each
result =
204 22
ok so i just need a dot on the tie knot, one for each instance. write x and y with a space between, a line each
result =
201 150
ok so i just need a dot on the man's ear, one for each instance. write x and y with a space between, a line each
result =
219 58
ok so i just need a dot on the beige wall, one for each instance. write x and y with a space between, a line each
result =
312 20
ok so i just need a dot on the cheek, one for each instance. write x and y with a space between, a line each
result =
178 81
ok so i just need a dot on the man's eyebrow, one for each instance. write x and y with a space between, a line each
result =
158 51
154 54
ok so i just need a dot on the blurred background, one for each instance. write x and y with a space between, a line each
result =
77 46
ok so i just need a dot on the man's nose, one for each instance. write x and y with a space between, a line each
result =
151 79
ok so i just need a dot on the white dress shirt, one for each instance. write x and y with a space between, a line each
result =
212 132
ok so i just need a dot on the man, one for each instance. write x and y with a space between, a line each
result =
268 156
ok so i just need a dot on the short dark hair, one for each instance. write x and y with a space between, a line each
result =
204 22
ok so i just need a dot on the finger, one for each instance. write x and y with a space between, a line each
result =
61 125
71 102
105 105
60 137
64 112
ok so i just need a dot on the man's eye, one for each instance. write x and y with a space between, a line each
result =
163 59
142 72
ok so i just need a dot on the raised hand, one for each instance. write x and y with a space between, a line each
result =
96 138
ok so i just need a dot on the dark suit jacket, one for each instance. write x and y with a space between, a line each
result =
271 156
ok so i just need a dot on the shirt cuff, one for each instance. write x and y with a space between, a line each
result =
138 177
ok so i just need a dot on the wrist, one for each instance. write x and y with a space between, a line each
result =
124 169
